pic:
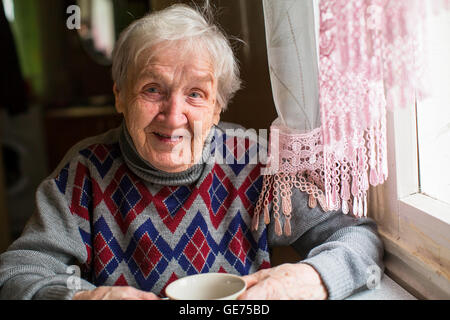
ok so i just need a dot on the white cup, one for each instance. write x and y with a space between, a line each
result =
206 286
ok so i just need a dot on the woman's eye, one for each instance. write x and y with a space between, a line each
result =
152 90
195 95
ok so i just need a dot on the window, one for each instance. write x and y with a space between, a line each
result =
433 116
413 207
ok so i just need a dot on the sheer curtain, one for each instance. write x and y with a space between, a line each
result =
335 67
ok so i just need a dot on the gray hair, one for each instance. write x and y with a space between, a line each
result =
178 22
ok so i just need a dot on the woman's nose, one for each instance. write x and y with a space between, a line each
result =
173 112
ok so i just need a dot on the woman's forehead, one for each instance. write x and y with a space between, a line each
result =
158 61
165 73
176 52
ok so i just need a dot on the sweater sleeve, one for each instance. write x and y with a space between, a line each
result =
39 264
346 251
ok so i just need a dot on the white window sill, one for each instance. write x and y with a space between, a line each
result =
388 290
428 208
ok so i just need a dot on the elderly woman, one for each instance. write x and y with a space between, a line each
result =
148 203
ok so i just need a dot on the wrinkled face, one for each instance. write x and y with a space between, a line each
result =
169 106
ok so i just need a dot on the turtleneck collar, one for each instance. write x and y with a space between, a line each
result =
147 172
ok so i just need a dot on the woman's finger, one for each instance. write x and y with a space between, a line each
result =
148 296
250 280
136 294
256 292
253 278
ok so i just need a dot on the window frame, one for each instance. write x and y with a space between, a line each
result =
414 227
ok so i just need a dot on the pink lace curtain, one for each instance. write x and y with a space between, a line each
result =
369 56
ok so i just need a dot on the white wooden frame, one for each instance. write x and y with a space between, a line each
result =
415 228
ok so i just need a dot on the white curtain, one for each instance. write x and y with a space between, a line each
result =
296 148
335 66
293 62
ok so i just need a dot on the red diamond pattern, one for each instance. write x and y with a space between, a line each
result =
103 254
99 242
197 250
100 151
240 246
199 262
172 278
264 265
222 270
146 255
121 281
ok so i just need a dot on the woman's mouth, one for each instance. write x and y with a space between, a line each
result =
167 138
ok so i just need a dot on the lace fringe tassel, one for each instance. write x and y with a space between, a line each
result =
263 203
281 185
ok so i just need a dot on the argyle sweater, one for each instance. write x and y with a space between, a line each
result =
123 222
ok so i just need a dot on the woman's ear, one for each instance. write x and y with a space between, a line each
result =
118 100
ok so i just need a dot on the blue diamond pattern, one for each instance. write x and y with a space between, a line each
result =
237 165
61 179
126 196
254 190
176 199
218 194
86 193
86 237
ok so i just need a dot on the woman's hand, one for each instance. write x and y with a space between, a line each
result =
115 293
285 282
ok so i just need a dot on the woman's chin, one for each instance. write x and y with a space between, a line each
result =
171 164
